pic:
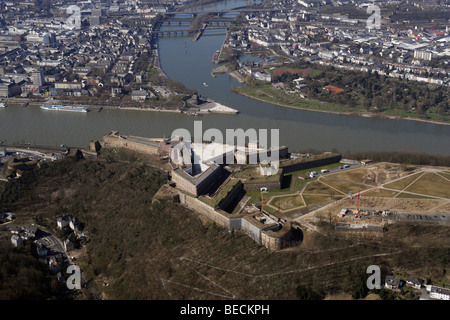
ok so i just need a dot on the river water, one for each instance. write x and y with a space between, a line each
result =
190 63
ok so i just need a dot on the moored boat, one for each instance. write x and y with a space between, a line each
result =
64 108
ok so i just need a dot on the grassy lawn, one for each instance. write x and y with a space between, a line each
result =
355 175
344 186
253 175
287 202
215 202
431 184
381 193
153 72
318 191
305 171
255 196
312 199
318 187
412 196
403 183
299 184
445 174
268 93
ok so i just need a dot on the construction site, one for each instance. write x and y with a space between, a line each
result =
387 193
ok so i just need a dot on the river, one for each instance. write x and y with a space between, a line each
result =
190 63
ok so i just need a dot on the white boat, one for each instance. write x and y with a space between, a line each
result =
2 105
204 83
63 108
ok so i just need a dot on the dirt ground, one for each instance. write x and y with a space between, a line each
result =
400 188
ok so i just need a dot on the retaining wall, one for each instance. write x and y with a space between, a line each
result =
206 210
251 230
301 165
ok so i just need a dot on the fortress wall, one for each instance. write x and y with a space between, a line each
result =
251 230
277 240
206 210
111 141
236 224
309 164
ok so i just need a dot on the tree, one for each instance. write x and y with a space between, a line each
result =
306 293
360 291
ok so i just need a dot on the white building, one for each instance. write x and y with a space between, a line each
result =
64 221
423 55
262 76
439 293
68 245
16 240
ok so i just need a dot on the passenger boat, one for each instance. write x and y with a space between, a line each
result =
63 108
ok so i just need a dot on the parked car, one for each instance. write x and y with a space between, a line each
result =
324 171
346 166
313 174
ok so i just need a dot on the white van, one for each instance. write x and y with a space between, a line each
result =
313 174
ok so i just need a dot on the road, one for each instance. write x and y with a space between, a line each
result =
56 246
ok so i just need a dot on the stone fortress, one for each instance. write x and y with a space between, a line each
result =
212 179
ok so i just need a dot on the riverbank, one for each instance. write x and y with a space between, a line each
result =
325 110
209 107
215 107
95 108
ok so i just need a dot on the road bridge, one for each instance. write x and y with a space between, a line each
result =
222 12
180 32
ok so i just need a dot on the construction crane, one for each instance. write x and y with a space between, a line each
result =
262 201
358 195
262 198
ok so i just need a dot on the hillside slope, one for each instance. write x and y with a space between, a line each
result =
136 251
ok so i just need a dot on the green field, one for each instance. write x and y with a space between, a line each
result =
317 187
403 183
344 186
287 202
404 195
431 184
381 193
445 174
309 192
354 175
267 93
312 199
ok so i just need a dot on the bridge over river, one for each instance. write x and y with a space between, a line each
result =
180 32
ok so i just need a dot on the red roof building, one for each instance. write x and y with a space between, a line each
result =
334 89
